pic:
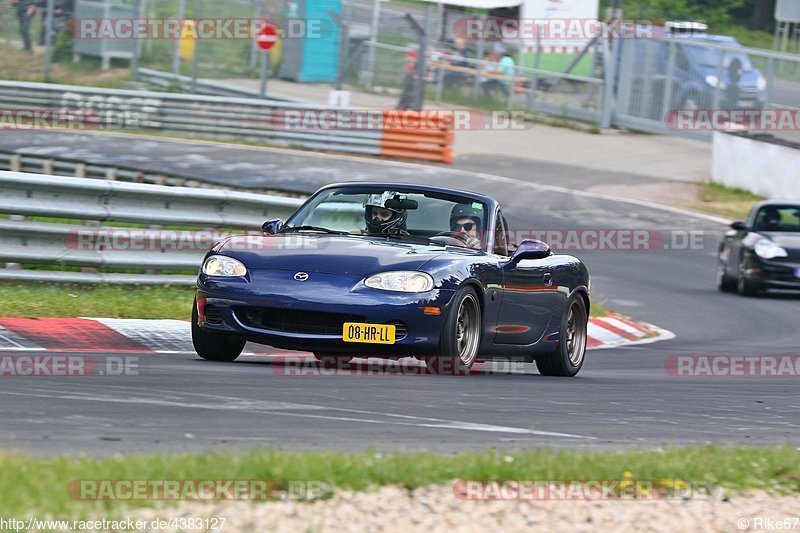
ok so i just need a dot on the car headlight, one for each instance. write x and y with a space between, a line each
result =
768 249
400 281
713 81
220 265
761 83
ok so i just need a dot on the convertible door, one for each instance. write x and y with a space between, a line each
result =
529 299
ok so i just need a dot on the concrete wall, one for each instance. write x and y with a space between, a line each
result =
763 168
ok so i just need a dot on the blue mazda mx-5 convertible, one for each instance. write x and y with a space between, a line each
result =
387 270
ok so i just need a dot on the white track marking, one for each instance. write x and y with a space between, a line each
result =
603 335
12 341
157 335
619 324
174 337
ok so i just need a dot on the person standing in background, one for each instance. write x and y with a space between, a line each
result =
26 10
62 11
507 70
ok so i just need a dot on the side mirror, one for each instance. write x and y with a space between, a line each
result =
530 249
271 227
739 226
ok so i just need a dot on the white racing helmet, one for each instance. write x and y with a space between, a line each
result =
397 222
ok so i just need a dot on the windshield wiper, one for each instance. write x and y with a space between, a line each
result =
313 228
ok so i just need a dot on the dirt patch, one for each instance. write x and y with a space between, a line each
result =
437 509
672 193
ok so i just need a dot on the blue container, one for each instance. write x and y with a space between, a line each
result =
315 56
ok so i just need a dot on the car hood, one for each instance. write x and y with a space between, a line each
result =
332 254
790 241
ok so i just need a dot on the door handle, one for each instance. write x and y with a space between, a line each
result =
548 280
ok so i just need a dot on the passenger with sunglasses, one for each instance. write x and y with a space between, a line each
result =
466 220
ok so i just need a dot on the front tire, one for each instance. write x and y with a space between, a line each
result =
748 288
214 346
461 336
725 283
568 358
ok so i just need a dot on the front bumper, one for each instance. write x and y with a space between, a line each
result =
276 299
773 274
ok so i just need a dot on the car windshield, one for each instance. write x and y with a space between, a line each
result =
443 218
778 218
709 57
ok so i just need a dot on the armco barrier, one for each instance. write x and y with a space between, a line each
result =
406 134
198 116
54 244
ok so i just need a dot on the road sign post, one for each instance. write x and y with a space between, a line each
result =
266 39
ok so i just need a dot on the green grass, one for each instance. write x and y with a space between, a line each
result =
33 486
553 62
725 201
597 310
108 301
751 38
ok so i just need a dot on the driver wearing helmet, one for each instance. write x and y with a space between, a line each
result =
466 220
381 219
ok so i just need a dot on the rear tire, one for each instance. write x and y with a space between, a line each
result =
568 358
461 336
214 346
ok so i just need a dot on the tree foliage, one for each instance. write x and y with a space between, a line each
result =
715 13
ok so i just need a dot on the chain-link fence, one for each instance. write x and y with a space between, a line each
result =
455 80
637 83
694 85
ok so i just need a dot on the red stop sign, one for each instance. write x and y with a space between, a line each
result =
267 36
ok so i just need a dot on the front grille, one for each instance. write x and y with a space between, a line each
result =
780 273
400 330
294 321
213 315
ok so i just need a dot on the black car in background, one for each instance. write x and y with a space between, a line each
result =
763 252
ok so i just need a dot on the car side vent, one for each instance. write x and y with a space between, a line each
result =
213 315
400 330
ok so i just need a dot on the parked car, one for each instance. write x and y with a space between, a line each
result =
702 65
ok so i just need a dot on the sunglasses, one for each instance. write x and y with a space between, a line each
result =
467 226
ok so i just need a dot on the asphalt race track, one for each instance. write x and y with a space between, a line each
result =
623 397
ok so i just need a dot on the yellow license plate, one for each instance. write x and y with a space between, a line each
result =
368 333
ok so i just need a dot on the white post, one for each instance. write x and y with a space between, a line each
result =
376 17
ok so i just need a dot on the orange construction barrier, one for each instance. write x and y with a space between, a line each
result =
417 135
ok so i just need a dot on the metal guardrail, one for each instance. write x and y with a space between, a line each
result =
168 81
39 164
89 202
213 116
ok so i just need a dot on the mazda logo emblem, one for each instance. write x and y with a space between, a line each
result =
301 276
